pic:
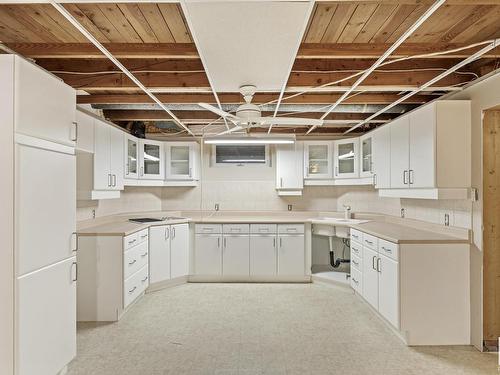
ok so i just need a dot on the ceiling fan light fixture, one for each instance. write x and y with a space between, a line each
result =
272 140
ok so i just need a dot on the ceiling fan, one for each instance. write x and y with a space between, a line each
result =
248 115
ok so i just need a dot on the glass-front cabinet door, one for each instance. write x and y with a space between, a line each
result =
318 160
346 158
179 161
151 156
131 157
366 166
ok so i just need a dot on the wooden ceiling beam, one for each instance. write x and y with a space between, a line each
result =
235 98
117 81
153 115
188 50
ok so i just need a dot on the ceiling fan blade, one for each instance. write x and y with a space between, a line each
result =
290 121
232 130
217 111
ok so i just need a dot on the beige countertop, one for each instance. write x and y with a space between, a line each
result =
378 225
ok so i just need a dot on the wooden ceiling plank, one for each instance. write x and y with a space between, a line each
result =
12 29
362 64
86 22
64 25
37 16
482 29
155 19
175 21
359 18
462 25
138 22
319 23
392 23
441 21
94 14
406 24
120 22
343 13
382 14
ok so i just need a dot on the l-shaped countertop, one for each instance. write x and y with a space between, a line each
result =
401 231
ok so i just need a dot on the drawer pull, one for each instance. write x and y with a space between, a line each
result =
386 249
235 229
369 242
263 229
130 263
355 250
131 241
132 290
143 280
355 281
208 229
291 229
354 236
355 263
144 236
143 255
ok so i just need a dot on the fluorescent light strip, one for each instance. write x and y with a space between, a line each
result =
249 141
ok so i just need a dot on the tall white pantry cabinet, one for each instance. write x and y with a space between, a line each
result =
37 220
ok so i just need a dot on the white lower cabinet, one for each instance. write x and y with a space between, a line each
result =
46 319
179 250
388 289
208 253
263 255
236 255
370 277
113 273
291 256
159 253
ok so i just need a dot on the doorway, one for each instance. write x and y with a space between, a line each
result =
491 224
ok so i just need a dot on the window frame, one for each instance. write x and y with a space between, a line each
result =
213 159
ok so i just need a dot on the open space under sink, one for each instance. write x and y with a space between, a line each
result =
334 226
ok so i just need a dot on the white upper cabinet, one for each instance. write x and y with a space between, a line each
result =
346 158
131 154
318 158
289 167
85 140
51 115
430 149
381 157
151 160
400 152
366 155
108 157
182 160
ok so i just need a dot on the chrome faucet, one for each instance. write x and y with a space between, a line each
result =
347 211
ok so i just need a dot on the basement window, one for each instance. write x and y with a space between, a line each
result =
239 155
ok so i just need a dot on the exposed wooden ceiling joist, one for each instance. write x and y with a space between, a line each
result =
234 98
188 50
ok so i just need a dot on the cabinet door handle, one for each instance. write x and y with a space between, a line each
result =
109 180
274 242
74 138
410 174
74 242
142 171
281 242
373 263
132 290
405 177
374 179
281 181
173 232
114 180
379 269
130 263
218 242
128 169
75 266
336 171
167 233
190 174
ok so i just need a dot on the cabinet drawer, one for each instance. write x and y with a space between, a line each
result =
356 235
134 259
356 249
143 235
236 228
290 228
356 262
130 241
208 228
370 241
135 285
263 228
389 249
356 280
